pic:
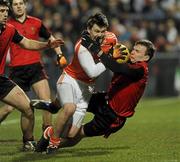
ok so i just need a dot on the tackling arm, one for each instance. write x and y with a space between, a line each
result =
38 45
123 69
57 49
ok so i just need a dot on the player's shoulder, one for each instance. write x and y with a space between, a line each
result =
141 64
77 45
8 25
11 20
10 28
137 65
32 18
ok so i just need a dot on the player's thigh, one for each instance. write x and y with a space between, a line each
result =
66 89
96 100
69 90
103 118
7 108
18 99
42 90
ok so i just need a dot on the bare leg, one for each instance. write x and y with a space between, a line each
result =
18 99
62 117
42 90
5 111
69 142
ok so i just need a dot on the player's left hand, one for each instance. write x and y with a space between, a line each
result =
91 45
55 43
61 60
121 53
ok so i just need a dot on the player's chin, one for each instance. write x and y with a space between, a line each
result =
4 22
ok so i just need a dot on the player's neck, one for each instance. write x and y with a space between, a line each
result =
21 18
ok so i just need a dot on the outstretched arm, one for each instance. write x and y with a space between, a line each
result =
124 69
38 45
61 60
57 49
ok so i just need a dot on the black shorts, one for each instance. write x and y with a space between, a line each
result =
25 76
104 117
6 85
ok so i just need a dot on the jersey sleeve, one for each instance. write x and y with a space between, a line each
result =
88 64
44 32
124 69
17 37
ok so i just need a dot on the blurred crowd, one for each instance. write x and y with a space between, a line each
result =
130 20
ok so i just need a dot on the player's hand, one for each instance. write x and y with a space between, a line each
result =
124 52
87 42
61 60
55 43
120 51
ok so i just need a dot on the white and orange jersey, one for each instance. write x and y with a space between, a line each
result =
83 66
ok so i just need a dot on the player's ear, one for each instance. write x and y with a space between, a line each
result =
146 57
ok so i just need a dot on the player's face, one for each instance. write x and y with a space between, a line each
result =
138 53
3 14
97 32
19 8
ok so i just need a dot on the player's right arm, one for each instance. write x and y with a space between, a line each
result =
88 64
37 45
46 34
33 44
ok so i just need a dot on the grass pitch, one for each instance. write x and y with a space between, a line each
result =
151 135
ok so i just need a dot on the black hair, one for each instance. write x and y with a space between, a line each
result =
11 1
150 48
4 2
99 18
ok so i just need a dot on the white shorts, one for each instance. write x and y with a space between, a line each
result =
70 90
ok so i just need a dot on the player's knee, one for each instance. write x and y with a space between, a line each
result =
73 132
8 110
29 113
69 109
71 135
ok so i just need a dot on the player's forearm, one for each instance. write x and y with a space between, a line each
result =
57 49
33 44
123 69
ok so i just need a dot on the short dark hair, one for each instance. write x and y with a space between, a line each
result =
11 1
4 2
149 46
99 18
